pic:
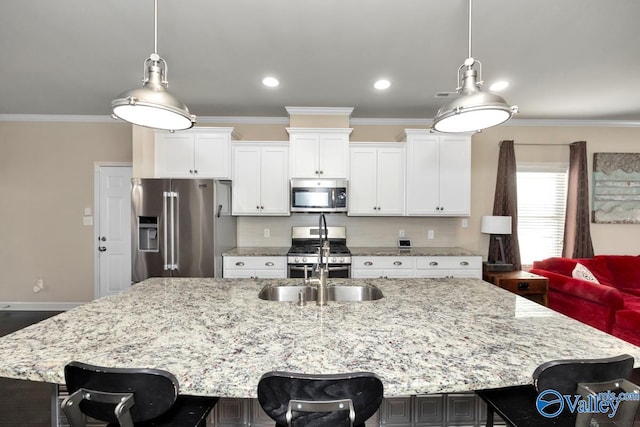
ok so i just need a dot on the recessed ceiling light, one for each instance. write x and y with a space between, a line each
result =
270 82
382 84
499 85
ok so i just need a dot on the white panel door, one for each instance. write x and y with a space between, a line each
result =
246 180
423 175
274 198
333 156
391 178
174 155
212 156
455 175
114 233
363 186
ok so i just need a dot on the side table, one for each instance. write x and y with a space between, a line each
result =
523 283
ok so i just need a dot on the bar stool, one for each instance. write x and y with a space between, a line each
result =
330 400
517 405
130 397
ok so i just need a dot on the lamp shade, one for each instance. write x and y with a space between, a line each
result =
152 105
473 110
496 225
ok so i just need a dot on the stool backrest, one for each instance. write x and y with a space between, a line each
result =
277 389
564 375
153 391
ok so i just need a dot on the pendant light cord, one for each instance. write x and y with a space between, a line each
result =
469 29
155 27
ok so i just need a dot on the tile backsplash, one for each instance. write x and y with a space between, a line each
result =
361 231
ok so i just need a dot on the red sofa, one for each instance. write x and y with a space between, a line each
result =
612 305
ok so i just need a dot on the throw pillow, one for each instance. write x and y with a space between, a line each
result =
582 272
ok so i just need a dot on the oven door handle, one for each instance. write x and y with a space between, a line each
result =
296 268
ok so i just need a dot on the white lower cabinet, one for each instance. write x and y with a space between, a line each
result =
244 267
369 267
449 266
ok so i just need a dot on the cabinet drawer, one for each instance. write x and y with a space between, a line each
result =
381 262
523 286
254 263
449 262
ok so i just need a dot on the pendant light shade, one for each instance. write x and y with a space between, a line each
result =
473 110
152 105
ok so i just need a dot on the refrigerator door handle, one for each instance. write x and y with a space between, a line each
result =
174 232
167 210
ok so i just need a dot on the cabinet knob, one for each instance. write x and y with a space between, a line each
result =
464 263
261 207
368 263
258 207
397 263
239 263
268 264
317 172
195 171
191 171
434 263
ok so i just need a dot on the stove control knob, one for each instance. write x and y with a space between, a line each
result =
341 259
297 259
333 260
304 259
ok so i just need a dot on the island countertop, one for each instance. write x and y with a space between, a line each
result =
218 338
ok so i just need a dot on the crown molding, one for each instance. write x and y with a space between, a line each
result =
320 111
243 120
56 118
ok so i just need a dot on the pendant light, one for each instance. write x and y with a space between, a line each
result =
473 110
152 105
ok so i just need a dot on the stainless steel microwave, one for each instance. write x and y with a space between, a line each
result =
318 195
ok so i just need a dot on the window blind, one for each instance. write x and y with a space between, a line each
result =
542 195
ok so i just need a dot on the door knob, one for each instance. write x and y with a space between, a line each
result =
102 248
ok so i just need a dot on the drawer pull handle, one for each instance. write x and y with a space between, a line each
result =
397 263
368 263
433 263
523 286
464 263
239 263
268 264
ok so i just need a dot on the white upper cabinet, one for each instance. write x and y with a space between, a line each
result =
438 174
194 153
260 179
319 153
377 179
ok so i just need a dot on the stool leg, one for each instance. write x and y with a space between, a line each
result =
489 416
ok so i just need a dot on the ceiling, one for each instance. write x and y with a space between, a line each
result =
568 59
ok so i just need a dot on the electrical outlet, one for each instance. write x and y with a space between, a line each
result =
430 234
465 223
267 232
400 233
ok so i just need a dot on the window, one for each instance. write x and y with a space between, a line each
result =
542 198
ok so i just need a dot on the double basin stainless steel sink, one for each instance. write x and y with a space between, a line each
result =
338 293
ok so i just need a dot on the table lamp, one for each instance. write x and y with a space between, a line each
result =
497 226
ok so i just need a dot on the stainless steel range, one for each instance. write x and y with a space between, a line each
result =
303 253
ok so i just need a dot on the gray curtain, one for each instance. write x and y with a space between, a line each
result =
505 203
577 230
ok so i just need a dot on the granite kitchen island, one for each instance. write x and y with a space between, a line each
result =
218 337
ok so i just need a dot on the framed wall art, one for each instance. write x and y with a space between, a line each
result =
616 188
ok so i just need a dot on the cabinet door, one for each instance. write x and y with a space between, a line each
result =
423 175
274 198
304 156
212 156
455 175
390 180
246 180
174 156
333 156
362 182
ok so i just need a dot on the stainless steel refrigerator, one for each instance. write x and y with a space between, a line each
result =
180 227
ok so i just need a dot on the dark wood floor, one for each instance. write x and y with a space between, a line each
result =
23 403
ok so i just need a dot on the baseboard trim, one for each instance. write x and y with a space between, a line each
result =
38 306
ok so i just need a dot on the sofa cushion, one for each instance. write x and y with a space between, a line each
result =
565 266
624 269
582 272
